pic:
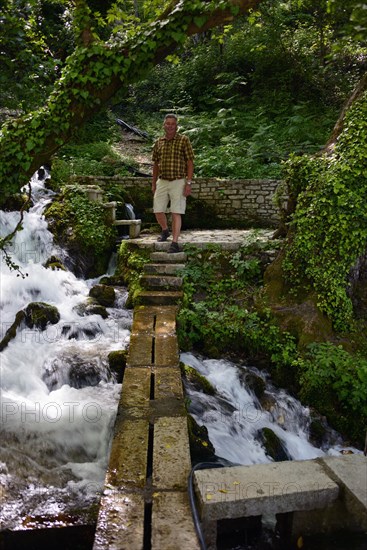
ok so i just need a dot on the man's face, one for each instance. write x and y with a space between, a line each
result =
170 127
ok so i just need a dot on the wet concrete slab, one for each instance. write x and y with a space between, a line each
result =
173 526
135 392
128 458
140 350
164 268
166 353
168 384
120 523
161 281
350 473
171 456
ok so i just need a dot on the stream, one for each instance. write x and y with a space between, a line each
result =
235 416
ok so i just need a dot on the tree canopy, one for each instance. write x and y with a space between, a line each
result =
95 70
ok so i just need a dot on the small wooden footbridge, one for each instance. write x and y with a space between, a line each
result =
145 503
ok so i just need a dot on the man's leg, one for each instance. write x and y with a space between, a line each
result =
160 202
162 220
176 227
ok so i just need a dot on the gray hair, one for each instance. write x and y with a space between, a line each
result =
171 115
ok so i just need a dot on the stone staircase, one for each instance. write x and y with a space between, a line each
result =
161 279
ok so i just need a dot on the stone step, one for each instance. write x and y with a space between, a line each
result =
164 269
159 298
168 282
164 257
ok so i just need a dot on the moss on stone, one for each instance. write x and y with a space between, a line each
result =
201 447
40 314
200 382
117 362
105 295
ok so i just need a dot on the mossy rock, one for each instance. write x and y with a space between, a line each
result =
40 314
117 362
12 331
91 307
112 281
197 379
104 294
273 445
253 382
14 202
201 447
54 263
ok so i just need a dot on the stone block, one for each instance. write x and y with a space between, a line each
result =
171 455
159 297
168 384
350 473
128 458
135 392
140 350
120 524
172 524
274 488
166 352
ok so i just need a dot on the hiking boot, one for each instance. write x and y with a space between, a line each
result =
164 236
173 249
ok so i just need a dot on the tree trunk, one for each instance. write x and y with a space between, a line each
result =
357 92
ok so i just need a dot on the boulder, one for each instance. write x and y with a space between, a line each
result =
11 332
117 363
40 314
104 294
54 263
273 445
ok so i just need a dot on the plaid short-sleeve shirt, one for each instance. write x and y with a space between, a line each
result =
172 155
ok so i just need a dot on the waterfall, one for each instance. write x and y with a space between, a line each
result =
58 398
235 417
129 211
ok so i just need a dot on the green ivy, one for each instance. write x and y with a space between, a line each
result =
218 312
87 220
329 227
335 382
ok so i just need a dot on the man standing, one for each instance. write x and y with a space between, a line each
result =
173 168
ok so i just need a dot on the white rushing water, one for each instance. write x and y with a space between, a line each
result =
235 417
58 399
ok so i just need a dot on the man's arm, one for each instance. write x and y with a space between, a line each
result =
155 176
189 174
190 169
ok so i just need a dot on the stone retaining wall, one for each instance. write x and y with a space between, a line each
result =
217 202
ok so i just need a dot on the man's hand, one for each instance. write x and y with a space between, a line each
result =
187 190
154 186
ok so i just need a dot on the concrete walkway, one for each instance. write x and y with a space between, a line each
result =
145 502
228 239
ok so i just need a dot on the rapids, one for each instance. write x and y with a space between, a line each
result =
235 417
58 398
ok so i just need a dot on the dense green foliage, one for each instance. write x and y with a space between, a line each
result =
91 75
218 312
330 222
81 224
335 382
252 93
